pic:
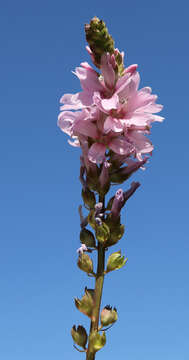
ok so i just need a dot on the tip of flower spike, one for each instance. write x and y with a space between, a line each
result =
99 40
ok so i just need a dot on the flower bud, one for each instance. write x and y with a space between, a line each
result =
104 179
88 198
108 316
124 173
97 340
87 238
99 40
117 204
79 336
119 60
86 304
85 263
102 233
115 261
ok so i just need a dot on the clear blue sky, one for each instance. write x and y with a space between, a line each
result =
41 43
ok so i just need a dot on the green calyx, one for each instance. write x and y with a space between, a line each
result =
88 198
116 230
79 336
87 238
99 39
102 233
86 304
115 261
108 316
97 340
85 263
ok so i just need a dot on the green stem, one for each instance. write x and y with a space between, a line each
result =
98 295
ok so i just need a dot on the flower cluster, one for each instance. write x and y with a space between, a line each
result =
109 114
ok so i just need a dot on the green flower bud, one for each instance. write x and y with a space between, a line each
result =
87 238
108 316
115 261
79 336
99 40
119 61
89 198
86 304
85 263
97 340
102 233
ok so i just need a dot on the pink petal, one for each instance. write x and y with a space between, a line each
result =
105 105
110 104
71 102
131 69
107 71
66 120
112 124
85 127
130 86
152 108
75 142
120 146
97 153
141 143
88 78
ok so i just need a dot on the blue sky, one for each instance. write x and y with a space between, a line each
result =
41 43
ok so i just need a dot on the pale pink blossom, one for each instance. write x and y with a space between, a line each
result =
113 113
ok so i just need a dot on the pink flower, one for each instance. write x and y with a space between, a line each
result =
113 113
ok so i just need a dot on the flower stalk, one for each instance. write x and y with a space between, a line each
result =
110 121
98 295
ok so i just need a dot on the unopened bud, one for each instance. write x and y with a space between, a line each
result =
88 198
97 340
79 336
108 316
119 60
117 204
87 238
115 261
85 263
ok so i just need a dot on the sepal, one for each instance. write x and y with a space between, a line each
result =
79 336
108 316
91 219
86 304
87 238
85 263
116 234
116 230
97 340
88 198
115 261
102 233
